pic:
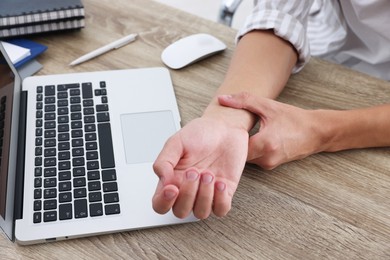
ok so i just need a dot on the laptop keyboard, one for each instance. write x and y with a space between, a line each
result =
75 173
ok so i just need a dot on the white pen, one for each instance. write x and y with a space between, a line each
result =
114 45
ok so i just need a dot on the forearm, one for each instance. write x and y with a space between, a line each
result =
261 65
360 128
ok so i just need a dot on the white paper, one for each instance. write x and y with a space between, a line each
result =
16 53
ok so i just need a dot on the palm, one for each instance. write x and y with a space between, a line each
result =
213 146
202 154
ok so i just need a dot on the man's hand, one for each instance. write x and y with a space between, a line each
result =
286 132
199 169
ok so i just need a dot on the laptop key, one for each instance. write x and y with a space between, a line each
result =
37 182
49 204
96 209
74 92
80 208
37 217
95 196
109 175
38 151
64 186
50 193
75 100
38 161
78 171
101 107
72 85
64 176
111 197
88 102
103 117
91 146
50 216
37 205
65 197
38 171
80 193
65 211
64 165
105 145
93 175
92 165
79 182
39 97
87 90
50 90
50 100
112 209
110 186
50 172
37 194
50 182
94 185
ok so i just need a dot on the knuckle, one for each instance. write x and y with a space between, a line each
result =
222 210
202 214
245 96
156 167
180 213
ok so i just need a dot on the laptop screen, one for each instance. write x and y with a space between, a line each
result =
7 83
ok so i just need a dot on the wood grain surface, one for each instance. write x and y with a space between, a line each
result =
327 206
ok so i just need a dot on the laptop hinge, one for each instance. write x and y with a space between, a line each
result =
18 204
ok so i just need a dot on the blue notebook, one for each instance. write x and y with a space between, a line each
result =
35 49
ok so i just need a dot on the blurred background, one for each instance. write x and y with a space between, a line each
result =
210 9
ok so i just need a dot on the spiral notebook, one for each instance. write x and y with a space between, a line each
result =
24 17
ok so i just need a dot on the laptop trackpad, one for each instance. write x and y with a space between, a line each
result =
144 134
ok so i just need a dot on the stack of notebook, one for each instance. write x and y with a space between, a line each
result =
25 17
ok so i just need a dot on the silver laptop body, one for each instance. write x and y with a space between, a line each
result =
79 151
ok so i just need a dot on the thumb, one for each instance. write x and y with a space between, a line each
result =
244 100
168 158
166 190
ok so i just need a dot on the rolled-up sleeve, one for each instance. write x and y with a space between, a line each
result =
288 19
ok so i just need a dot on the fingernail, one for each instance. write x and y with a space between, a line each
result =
192 175
207 178
226 96
168 194
220 186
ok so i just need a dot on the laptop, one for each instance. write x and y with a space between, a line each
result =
76 151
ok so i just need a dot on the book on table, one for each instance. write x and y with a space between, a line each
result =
25 17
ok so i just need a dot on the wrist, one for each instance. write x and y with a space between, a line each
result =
336 130
238 118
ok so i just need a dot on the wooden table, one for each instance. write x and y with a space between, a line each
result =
330 205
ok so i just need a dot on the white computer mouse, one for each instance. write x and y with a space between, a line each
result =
191 49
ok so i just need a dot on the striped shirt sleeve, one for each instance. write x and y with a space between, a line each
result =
288 19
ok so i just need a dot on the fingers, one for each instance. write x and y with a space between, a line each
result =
168 158
164 197
187 194
222 200
245 101
204 200
199 193
166 192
